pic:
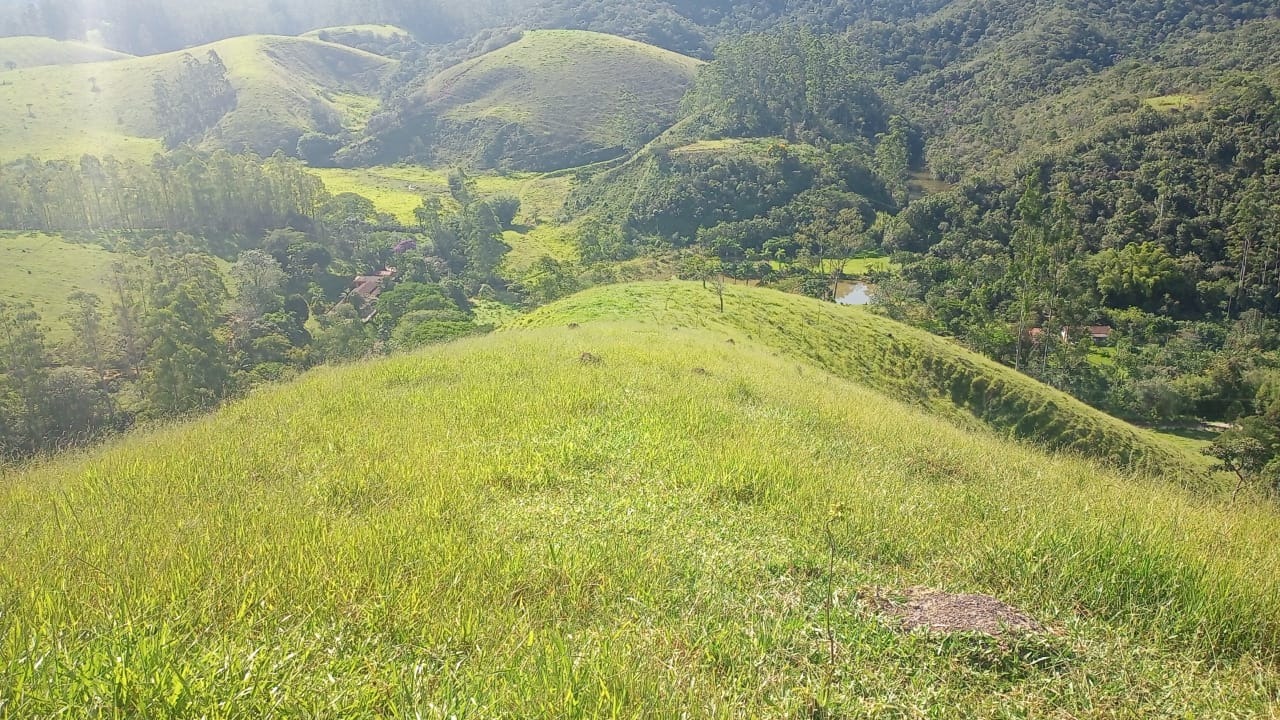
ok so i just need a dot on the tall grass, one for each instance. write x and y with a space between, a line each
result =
906 363
499 529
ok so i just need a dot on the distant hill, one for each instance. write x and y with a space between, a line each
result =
377 39
32 51
284 87
551 100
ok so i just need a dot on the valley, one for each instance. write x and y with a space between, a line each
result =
545 358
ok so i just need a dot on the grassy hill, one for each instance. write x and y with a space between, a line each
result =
31 51
373 38
44 269
553 99
616 520
285 86
901 361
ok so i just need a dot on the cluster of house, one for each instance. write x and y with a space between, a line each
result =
366 289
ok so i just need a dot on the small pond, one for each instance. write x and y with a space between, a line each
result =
853 294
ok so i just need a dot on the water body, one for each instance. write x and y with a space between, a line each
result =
855 294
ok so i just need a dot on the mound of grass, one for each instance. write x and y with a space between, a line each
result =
45 269
1167 103
33 51
285 87
612 521
899 360
554 99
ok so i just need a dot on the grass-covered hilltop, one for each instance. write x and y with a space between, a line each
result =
639 359
623 517
551 100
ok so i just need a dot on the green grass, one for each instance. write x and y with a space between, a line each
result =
341 33
642 536
559 97
395 190
399 190
1166 103
45 269
278 82
852 266
33 51
896 359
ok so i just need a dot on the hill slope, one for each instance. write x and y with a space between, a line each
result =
904 362
284 87
615 520
33 51
551 100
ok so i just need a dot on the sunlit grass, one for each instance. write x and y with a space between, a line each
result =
852 266
500 529
902 361
44 269
399 190
108 108
1181 101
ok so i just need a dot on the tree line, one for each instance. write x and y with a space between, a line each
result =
187 191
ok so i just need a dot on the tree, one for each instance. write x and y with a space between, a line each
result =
187 363
1240 453
78 407
127 306
893 158
717 284
259 280
342 335
1029 265
505 208
24 366
88 336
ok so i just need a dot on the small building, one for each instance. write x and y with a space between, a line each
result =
367 288
1099 334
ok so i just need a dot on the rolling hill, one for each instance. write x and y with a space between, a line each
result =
44 269
377 39
551 100
614 520
284 87
34 51
903 362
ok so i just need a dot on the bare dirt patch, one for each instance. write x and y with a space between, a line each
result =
944 612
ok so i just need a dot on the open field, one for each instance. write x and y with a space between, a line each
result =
613 521
108 108
33 51
852 266
1175 102
396 190
399 190
896 359
45 269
